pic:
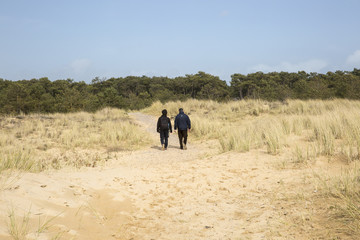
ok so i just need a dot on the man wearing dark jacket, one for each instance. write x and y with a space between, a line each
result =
163 127
182 123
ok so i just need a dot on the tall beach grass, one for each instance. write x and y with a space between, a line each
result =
332 125
36 142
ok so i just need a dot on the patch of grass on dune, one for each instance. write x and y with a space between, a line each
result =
243 125
36 142
342 193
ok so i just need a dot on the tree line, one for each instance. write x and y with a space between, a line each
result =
135 92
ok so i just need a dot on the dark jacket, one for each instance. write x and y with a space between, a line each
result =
182 121
158 128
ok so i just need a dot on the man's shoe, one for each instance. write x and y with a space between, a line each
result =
162 147
185 147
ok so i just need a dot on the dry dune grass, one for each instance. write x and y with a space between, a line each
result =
299 133
330 127
36 142
302 130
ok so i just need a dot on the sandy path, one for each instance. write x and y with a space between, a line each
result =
173 194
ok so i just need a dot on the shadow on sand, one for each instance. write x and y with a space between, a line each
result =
159 147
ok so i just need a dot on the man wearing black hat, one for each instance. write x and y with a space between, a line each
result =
182 123
163 127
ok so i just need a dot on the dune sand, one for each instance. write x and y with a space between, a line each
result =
173 194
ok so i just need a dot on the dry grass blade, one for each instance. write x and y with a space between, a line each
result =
18 228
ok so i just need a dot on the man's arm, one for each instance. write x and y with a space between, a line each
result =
170 125
175 123
188 122
158 125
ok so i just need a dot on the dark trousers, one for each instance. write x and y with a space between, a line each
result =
182 137
164 135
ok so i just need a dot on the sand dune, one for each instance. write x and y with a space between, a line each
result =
173 194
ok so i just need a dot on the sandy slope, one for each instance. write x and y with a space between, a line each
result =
173 194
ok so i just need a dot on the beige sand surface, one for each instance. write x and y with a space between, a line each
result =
174 194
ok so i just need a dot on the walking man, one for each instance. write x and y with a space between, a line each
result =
163 127
182 123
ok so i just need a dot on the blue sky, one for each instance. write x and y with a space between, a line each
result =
81 39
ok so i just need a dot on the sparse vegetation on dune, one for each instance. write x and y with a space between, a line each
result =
332 126
36 142
342 194
301 130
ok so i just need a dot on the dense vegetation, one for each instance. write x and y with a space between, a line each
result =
43 95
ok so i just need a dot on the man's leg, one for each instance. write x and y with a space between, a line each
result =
185 138
162 139
166 136
180 138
